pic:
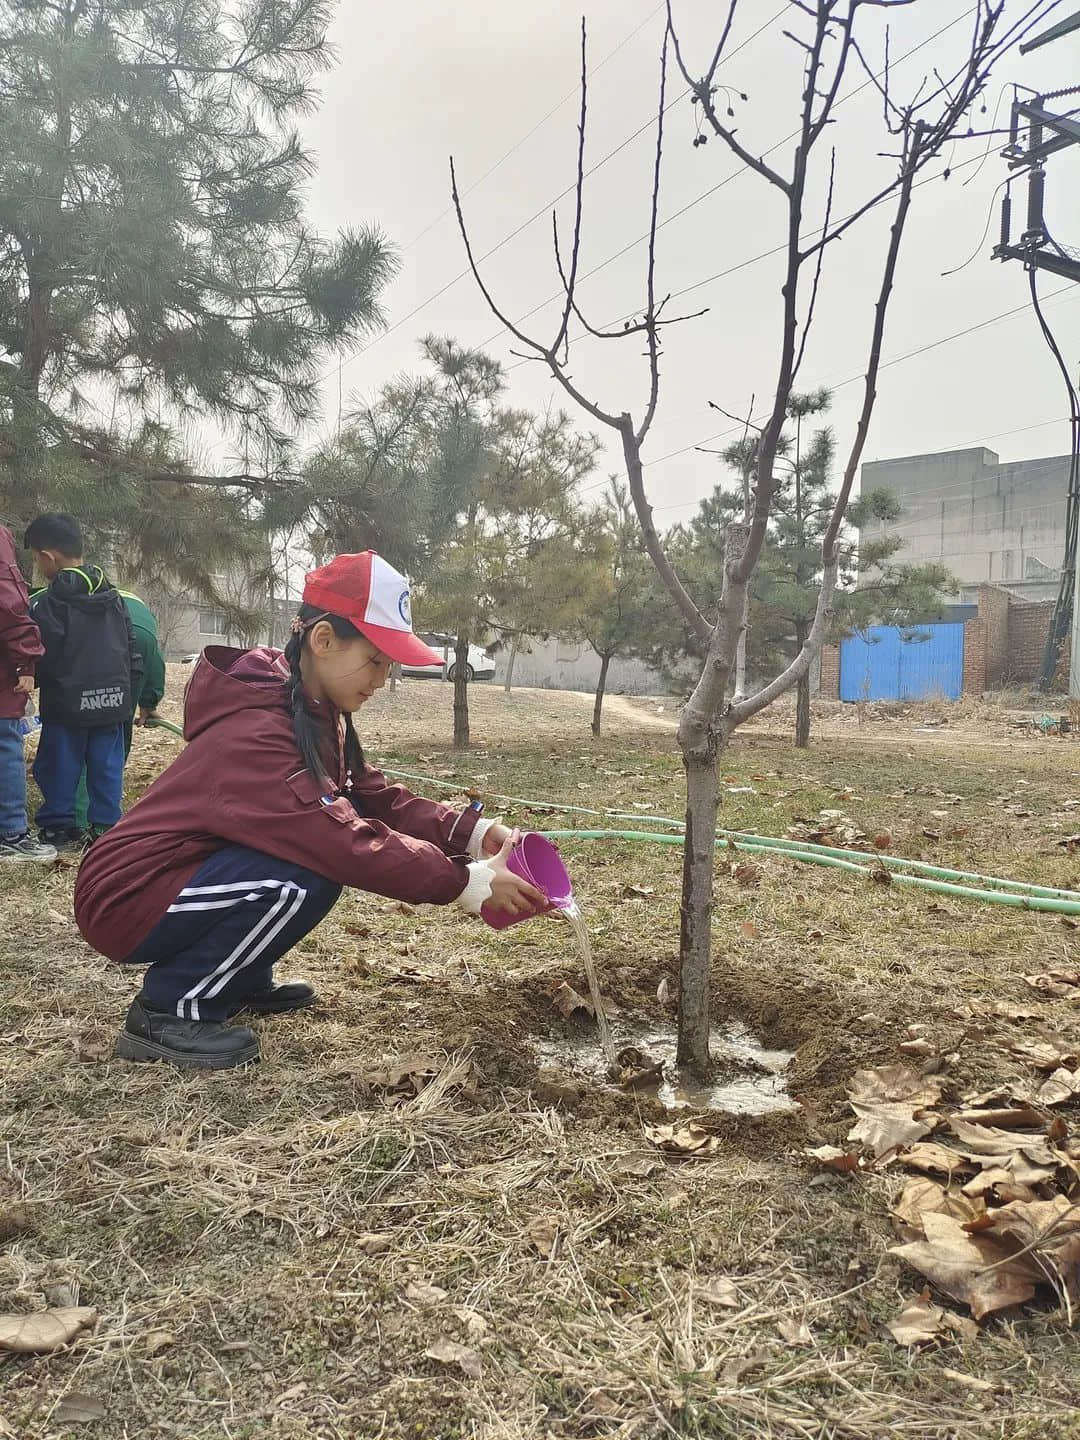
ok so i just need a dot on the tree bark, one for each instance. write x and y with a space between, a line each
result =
695 935
395 676
508 683
461 693
601 686
740 653
802 713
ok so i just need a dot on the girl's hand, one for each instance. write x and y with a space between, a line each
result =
495 838
510 894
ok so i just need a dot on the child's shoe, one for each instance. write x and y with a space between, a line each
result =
277 999
25 850
188 1044
68 841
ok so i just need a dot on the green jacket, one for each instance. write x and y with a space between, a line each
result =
146 642
151 690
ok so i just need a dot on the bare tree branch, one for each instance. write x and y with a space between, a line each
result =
744 709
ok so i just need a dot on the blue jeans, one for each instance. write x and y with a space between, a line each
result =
220 938
62 754
12 781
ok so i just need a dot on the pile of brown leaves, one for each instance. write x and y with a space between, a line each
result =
992 1215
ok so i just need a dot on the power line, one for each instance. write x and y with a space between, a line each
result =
570 95
543 210
851 380
706 194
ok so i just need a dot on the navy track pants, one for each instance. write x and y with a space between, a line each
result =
219 940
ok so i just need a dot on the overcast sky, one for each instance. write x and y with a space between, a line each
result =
420 79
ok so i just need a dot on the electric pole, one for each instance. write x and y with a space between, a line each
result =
1048 132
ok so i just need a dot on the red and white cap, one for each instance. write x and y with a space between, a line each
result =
370 593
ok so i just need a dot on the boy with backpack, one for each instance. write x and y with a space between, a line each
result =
88 677
20 651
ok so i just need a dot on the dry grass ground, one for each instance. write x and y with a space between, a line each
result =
287 1252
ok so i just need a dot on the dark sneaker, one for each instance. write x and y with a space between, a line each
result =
24 849
187 1044
277 999
66 841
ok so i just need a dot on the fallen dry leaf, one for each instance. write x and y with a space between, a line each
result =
749 930
422 1292
831 1157
638 892
920 1322
158 1340
76 1408
922 1197
895 1082
935 1159
719 1291
567 1001
988 1140
747 874
887 1126
473 1321
687 1140
1043 1054
44 1330
1056 983
1007 1117
794 1332
450 1352
412 1074
543 1233
975 1269
1051 1228
373 1242
1062 1086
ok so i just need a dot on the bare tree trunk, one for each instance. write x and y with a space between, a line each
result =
802 702
695 934
740 653
601 686
507 684
461 693
395 676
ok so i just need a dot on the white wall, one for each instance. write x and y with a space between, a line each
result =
572 665
986 522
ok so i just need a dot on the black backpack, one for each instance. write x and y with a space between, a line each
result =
90 665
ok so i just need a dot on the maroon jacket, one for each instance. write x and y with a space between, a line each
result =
240 781
20 642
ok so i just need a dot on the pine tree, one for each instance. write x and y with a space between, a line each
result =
615 621
155 267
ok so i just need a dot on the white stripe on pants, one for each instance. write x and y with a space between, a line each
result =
273 922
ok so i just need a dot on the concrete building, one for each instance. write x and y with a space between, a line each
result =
988 523
574 665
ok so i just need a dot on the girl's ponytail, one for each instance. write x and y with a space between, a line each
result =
309 737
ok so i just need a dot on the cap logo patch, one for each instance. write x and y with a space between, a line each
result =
404 606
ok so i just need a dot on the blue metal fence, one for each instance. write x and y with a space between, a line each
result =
888 662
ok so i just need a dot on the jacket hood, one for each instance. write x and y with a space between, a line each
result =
81 580
227 679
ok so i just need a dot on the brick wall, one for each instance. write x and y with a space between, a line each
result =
1028 625
975 656
829 684
995 607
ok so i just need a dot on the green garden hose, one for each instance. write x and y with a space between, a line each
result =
901 871
1019 898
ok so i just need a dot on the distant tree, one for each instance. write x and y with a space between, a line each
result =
156 268
615 620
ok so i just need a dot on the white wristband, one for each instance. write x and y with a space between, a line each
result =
475 848
478 889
